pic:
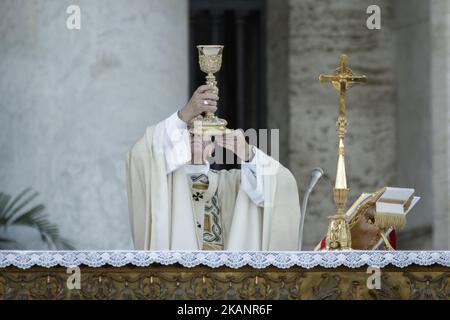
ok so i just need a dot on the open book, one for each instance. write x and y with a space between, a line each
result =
391 207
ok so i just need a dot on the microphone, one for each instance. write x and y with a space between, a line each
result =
316 174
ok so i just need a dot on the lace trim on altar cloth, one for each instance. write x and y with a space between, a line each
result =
233 259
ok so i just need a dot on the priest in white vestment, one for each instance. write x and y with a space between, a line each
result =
176 202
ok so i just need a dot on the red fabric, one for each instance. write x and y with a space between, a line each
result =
393 239
323 243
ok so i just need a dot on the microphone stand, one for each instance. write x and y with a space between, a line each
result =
316 174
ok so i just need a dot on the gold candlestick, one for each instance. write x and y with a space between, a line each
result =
338 234
210 61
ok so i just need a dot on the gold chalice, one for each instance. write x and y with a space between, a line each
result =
210 61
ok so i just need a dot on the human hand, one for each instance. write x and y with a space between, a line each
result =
201 148
236 143
203 99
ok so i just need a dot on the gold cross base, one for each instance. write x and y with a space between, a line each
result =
338 234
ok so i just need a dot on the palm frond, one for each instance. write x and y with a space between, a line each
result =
17 245
4 199
16 199
34 217
11 208
6 240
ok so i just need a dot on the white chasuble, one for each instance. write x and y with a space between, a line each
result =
178 211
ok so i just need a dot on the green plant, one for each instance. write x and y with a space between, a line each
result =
14 212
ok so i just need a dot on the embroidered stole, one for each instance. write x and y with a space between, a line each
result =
208 218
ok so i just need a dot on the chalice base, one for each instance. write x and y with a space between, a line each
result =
211 126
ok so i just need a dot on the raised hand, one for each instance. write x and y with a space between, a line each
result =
203 99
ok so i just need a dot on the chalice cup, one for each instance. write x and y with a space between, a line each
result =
210 61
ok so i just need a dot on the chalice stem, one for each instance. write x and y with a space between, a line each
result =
210 81
209 115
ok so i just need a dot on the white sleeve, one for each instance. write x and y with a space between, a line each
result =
177 148
251 179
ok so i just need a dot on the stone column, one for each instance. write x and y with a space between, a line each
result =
278 112
440 122
423 119
74 101
413 121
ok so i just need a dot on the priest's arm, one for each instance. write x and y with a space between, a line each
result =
177 153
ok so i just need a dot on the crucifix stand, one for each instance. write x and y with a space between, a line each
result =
338 234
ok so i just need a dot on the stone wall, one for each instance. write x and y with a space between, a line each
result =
440 122
73 103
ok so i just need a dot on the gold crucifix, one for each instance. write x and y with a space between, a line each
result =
338 235
342 79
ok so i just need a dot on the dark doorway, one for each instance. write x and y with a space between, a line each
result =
240 26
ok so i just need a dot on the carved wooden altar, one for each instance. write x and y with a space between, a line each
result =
225 275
